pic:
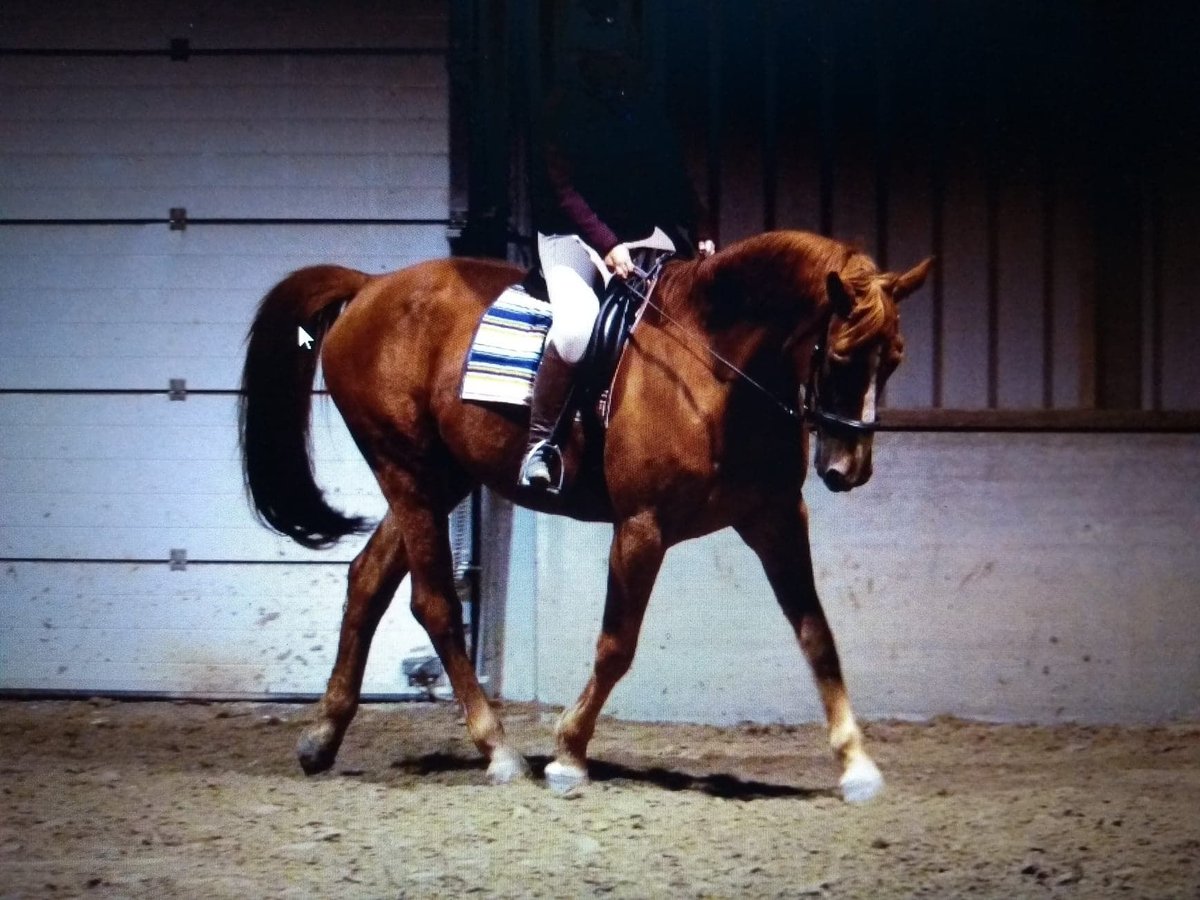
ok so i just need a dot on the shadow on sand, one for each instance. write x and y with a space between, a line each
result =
714 784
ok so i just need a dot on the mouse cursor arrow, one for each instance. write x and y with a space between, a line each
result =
303 338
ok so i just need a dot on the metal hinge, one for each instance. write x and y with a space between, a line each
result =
180 49
177 389
178 218
457 224
178 559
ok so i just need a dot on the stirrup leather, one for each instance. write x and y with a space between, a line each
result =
551 456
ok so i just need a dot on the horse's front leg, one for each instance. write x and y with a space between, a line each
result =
374 576
634 560
781 541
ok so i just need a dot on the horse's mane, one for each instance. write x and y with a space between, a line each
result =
763 278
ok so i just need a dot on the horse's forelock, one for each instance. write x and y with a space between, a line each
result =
872 315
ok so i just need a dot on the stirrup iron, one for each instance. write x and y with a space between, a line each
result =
551 457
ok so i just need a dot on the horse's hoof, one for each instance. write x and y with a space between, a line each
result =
565 780
317 749
861 782
507 766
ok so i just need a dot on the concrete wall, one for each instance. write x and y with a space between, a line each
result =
1008 577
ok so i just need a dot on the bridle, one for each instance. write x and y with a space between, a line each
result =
810 401
810 409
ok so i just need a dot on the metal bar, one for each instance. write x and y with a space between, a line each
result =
225 221
993 277
169 53
1084 421
197 698
164 561
135 392
475 577
937 197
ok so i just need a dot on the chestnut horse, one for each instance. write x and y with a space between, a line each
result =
705 432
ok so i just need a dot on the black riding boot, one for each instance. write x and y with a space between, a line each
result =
551 390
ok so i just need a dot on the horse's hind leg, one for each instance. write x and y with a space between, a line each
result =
374 576
435 604
781 542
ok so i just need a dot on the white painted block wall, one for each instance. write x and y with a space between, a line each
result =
1005 577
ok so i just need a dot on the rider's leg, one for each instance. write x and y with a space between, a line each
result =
569 273
574 279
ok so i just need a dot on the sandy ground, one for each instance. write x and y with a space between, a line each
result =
103 799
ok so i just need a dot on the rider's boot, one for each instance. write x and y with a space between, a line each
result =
551 389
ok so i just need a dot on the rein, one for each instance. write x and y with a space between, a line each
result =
810 406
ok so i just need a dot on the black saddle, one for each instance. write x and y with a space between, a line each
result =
618 310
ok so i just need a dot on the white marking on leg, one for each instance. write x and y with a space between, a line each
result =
507 766
565 780
861 781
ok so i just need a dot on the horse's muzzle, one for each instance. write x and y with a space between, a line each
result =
837 481
843 465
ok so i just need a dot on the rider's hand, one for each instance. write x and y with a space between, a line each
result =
620 261
706 249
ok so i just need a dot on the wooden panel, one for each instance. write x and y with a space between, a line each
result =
230 630
910 240
89 477
1069 299
964 274
1019 337
144 24
1181 293
105 307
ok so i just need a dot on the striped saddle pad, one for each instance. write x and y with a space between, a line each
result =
508 344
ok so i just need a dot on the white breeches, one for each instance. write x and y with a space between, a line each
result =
574 274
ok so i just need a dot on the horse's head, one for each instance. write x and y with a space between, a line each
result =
861 347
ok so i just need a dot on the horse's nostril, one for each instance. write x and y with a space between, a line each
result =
836 480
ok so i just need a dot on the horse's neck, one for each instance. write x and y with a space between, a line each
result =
751 294
737 330
773 278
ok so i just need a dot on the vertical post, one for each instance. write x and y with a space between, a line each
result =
828 138
770 137
715 114
1156 238
479 128
937 195
1049 228
1118 211
883 133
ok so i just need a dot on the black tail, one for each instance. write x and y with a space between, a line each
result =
276 399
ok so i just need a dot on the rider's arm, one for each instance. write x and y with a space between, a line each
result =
573 204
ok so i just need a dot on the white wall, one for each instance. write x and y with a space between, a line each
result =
101 475
1008 577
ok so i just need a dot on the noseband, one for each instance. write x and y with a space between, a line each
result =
810 402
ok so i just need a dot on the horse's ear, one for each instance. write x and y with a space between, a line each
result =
841 297
912 279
